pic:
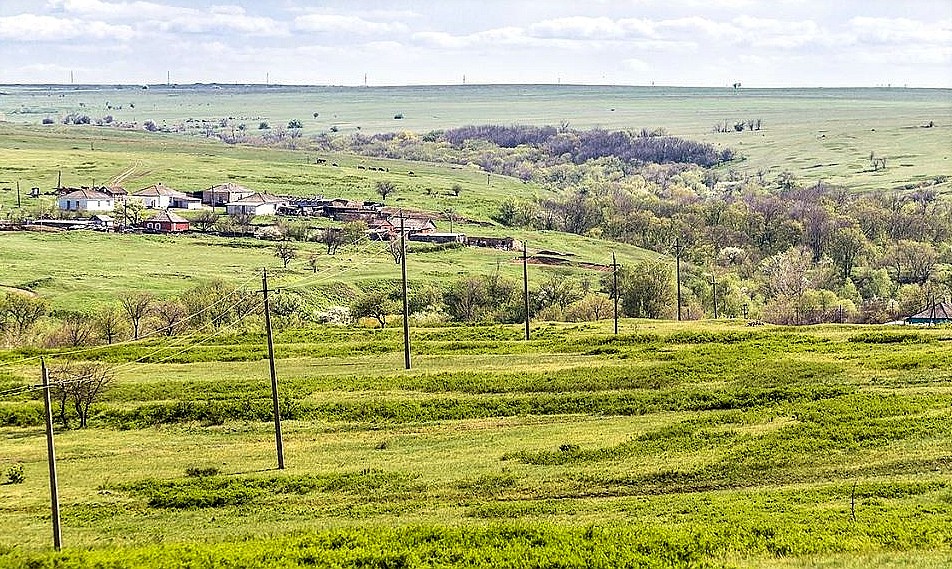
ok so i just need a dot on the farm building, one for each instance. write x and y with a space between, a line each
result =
117 192
86 199
225 193
438 237
936 314
502 243
102 222
158 196
166 222
384 227
255 204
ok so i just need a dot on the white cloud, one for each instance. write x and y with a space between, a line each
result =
898 31
33 28
335 23
580 27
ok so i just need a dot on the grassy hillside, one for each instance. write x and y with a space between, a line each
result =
669 445
818 134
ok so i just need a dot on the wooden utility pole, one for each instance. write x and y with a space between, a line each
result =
678 250
59 179
714 293
18 193
51 457
406 302
278 441
525 282
615 289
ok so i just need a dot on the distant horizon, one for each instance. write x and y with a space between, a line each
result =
464 85
691 43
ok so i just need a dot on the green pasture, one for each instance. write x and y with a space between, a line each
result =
85 270
818 134
36 157
697 444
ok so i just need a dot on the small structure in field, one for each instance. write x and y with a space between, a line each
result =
102 222
166 222
940 313
158 196
86 199
438 237
256 204
225 193
501 243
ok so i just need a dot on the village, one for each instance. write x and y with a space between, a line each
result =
158 209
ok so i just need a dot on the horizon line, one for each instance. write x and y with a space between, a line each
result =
739 87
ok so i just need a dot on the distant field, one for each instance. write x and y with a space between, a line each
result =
671 445
818 134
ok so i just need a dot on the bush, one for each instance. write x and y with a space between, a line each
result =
15 474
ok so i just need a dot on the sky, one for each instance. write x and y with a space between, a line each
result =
758 43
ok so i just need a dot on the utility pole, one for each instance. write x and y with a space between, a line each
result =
714 293
678 250
51 457
615 289
279 443
406 302
59 179
525 281
18 193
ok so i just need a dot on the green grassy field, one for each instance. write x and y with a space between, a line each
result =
667 446
818 134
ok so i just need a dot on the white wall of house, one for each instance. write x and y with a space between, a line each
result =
74 204
155 202
254 209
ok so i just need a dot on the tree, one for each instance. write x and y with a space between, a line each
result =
558 290
312 261
285 251
385 188
295 124
353 232
847 244
108 324
80 384
171 316
374 304
22 311
332 237
466 299
131 211
590 308
136 307
645 290
205 220
76 330
456 189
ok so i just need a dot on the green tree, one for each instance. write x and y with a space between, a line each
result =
285 251
384 188
646 290
375 304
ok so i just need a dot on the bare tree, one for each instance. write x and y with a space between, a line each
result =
205 220
333 237
171 316
23 311
108 323
80 384
312 261
136 306
285 251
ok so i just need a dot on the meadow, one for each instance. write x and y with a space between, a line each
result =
696 444
668 445
817 134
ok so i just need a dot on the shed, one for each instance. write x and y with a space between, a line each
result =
940 313
166 222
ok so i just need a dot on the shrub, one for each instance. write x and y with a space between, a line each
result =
15 474
199 471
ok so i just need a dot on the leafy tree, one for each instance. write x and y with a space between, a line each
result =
384 188
22 311
645 290
375 304
558 290
295 124
466 299
313 261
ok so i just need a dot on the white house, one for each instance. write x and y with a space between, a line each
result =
158 196
86 199
225 193
255 204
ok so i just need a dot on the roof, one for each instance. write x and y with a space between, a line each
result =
230 187
258 199
112 190
411 223
941 311
159 190
101 217
168 217
86 194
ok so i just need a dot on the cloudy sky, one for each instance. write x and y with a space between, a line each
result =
761 43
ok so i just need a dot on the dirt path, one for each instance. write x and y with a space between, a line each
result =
20 290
